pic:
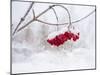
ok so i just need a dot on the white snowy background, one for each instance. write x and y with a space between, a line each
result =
31 52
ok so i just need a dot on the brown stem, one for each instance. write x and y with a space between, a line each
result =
67 22
33 13
25 25
35 18
56 16
23 18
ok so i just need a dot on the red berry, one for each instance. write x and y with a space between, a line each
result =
75 37
60 39
50 41
69 35
57 41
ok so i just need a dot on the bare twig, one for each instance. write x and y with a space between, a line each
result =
33 13
69 16
28 9
50 7
67 22
23 18
45 11
56 16
36 18
25 25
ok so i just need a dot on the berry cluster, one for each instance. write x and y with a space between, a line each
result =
60 39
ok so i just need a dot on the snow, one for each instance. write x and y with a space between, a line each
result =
62 31
55 61
32 53
55 33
